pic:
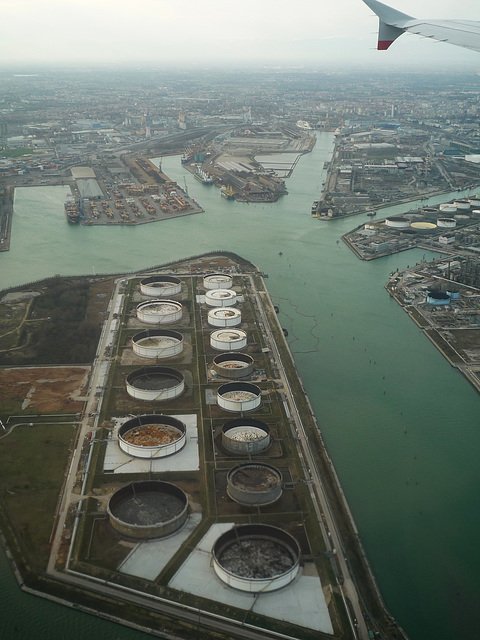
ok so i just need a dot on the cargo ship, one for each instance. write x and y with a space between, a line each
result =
227 193
71 210
203 176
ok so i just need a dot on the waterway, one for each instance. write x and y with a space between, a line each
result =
401 425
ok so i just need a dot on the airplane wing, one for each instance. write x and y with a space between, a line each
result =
392 23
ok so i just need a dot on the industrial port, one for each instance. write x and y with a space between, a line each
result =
198 482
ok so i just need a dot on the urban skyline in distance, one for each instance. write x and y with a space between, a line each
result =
160 33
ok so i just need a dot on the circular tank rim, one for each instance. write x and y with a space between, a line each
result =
241 334
138 373
239 386
152 279
245 422
148 333
242 357
224 277
275 491
147 303
151 418
148 485
265 531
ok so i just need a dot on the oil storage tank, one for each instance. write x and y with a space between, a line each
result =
245 436
238 365
228 339
397 222
254 484
152 436
224 317
256 558
159 311
221 298
217 281
149 509
446 223
239 396
157 343
155 383
160 286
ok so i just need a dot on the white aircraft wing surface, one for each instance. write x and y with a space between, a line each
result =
392 23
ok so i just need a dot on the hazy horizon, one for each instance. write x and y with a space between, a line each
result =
213 33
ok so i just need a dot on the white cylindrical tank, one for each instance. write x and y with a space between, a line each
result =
228 339
237 365
254 484
160 286
152 436
256 558
224 317
423 227
155 383
221 298
446 223
217 281
157 343
397 222
448 207
159 311
462 204
239 396
245 436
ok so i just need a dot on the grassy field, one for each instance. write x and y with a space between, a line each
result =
33 461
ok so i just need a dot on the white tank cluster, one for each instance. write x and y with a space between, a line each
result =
228 339
155 383
221 298
239 396
397 222
238 365
256 558
217 281
224 317
254 484
152 436
160 286
245 436
159 311
157 343
148 509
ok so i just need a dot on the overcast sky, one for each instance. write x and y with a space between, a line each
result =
319 33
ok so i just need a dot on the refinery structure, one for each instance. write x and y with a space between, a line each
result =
198 486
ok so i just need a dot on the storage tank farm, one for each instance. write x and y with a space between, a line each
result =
254 558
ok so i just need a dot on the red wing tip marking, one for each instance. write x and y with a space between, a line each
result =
384 44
